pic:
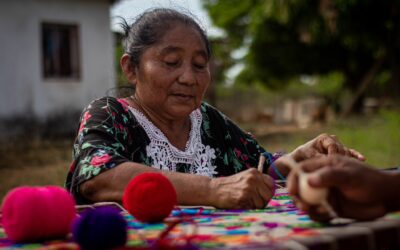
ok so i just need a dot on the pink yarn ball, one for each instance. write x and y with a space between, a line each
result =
37 213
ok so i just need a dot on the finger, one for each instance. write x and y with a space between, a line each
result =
258 201
301 205
362 212
355 154
331 145
267 190
292 183
318 213
347 152
259 197
268 181
328 144
330 177
248 204
336 148
261 191
315 163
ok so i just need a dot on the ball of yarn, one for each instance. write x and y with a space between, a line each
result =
37 213
100 228
149 197
311 195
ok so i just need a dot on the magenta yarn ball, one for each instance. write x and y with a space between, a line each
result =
37 213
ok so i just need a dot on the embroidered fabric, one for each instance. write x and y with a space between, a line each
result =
166 156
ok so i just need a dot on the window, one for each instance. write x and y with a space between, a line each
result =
60 52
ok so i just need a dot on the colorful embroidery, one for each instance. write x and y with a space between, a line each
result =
279 226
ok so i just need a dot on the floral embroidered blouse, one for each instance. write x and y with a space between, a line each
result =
111 132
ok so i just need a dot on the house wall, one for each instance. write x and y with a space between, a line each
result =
23 91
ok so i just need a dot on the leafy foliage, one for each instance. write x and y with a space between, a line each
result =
288 38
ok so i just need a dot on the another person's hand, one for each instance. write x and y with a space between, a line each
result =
323 145
246 190
355 190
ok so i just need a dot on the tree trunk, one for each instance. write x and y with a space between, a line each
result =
394 82
366 81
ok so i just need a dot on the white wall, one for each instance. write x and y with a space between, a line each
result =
23 91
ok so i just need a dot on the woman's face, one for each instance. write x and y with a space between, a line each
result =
173 74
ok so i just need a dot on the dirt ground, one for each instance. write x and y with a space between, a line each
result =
33 162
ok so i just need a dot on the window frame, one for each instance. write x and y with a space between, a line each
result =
75 63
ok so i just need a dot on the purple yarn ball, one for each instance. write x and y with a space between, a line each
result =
100 228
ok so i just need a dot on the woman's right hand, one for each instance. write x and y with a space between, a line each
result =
249 189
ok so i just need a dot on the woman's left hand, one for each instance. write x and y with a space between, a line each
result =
323 144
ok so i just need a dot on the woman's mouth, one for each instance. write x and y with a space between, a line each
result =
182 97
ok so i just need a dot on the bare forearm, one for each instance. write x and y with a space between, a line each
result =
110 185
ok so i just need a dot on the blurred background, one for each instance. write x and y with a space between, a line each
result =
285 70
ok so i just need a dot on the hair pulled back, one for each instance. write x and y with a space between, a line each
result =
149 27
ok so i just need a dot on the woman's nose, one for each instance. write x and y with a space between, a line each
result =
187 75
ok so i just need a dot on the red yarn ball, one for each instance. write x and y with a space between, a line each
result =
149 197
37 213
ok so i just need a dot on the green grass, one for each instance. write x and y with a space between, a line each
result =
377 137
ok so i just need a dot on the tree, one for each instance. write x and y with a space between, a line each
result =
220 62
288 38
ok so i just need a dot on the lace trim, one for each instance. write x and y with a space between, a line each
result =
166 156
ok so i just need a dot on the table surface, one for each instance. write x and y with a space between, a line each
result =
279 226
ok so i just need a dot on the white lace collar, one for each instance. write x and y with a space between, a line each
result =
166 156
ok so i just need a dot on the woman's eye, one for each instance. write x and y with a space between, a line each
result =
200 66
172 63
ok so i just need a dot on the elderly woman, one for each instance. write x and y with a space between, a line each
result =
165 127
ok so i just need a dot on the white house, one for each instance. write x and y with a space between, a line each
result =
55 57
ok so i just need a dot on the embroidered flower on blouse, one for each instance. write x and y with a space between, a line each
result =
124 104
100 160
86 117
